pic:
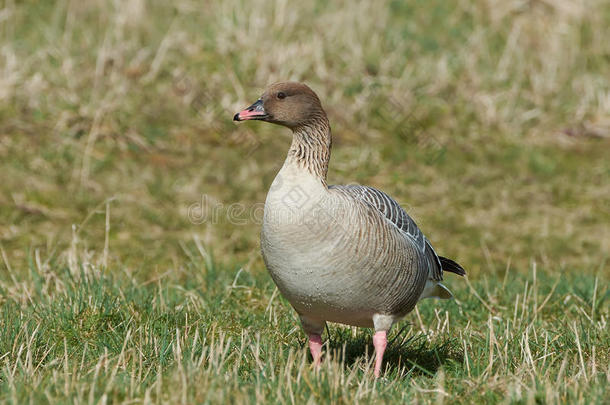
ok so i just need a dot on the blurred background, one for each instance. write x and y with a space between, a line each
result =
488 120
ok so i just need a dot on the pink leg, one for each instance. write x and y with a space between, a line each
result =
315 347
380 341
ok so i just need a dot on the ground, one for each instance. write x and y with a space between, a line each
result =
130 202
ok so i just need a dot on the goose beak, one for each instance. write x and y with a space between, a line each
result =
255 112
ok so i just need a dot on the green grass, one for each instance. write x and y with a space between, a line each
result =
489 121
78 334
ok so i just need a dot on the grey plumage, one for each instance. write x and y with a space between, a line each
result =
349 254
399 217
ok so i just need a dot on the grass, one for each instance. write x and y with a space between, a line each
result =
130 266
76 334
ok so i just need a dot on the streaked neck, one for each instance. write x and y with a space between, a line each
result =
310 148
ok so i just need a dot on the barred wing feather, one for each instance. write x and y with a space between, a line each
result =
394 213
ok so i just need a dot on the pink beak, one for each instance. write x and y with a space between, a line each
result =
255 112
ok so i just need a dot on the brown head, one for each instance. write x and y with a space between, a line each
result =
291 104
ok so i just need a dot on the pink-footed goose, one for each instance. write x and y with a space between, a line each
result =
347 254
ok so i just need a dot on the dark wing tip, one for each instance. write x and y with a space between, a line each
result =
451 266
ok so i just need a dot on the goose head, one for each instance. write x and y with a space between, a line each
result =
291 104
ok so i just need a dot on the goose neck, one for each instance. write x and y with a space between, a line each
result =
310 148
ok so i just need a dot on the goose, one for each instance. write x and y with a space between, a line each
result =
348 254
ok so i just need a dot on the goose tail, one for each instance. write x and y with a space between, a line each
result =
451 266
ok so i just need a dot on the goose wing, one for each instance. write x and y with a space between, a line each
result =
394 213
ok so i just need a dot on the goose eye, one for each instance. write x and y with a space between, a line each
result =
281 95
